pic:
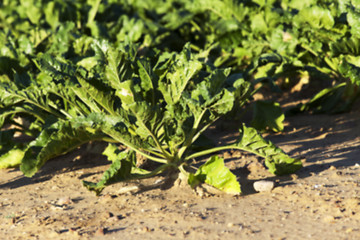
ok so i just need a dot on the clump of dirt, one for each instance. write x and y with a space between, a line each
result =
321 201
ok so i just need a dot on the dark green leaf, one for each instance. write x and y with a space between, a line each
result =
120 170
60 138
350 71
268 116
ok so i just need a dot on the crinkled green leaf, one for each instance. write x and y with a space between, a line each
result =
88 63
276 160
353 17
115 62
345 46
350 71
214 173
177 79
220 103
300 4
112 151
126 93
317 17
63 38
126 136
148 81
258 24
34 100
148 118
33 10
60 138
120 170
55 68
114 58
130 29
284 42
51 15
104 98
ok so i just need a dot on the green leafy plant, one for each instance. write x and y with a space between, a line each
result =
66 71
191 97
150 77
157 109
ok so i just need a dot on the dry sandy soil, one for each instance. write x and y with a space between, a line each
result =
321 201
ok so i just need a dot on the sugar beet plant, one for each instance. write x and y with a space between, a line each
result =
154 107
145 100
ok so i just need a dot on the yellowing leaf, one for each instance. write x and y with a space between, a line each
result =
215 173
12 158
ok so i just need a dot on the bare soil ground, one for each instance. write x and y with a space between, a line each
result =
321 201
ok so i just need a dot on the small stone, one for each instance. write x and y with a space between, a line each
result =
74 231
199 191
106 198
294 177
107 215
230 225
329 219
100 232
114 218
56 208
159 181
128 189
263 186
64 201
236 154
332 167
226 155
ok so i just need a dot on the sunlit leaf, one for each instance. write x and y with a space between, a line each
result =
214 173
276 160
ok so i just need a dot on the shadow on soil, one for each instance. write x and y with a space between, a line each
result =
78 159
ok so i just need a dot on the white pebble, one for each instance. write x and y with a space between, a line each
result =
128 189
230 225
263 186
64 201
